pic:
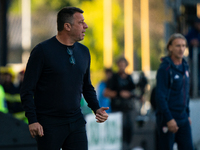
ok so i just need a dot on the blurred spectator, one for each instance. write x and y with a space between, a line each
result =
120 89
193 40
153 105
10 91
20 80
3 105
1 77
153 98
2 71
142 84
193 36
12 96
104 101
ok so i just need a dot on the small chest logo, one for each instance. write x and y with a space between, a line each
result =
176 76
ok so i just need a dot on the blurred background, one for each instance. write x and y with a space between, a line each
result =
136 29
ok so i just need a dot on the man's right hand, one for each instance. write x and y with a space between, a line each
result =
36 129
172 126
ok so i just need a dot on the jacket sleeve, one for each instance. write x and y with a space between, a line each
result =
31 77
88 91
162 93
187 108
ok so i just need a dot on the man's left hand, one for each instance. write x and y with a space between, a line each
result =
101 114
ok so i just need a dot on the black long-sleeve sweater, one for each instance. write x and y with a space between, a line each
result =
52 86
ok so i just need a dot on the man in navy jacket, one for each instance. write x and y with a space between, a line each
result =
57 74
172 97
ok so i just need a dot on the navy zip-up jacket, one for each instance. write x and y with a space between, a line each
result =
53 86
172 90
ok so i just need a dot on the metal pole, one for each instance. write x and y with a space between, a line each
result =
128 34
3 32
26 29
145 45
195 71
107 53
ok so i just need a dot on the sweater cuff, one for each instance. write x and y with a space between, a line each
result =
32 119
95 109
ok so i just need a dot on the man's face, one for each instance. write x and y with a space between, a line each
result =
78 27
122 66
177 48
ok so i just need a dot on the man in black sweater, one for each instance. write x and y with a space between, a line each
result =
57 74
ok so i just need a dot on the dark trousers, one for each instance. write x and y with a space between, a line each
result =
58 134
127 129
182 137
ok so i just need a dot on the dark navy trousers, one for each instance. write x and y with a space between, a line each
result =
182 137
59 134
